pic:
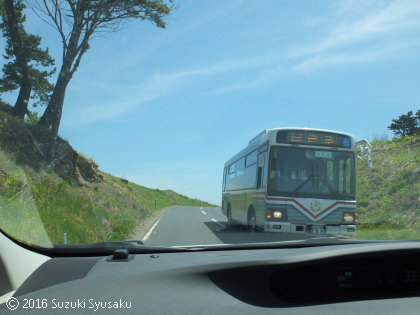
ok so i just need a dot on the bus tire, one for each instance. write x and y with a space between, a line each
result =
229 218
252 220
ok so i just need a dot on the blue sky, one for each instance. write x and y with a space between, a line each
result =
165 108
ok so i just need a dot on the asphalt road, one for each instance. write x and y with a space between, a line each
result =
180 226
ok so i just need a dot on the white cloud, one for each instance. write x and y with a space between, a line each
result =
95 113
360 34
359 38
362 56
215 68
263 78
160 85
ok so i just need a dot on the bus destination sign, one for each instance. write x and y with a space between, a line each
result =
317 138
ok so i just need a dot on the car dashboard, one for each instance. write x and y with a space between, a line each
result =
371 278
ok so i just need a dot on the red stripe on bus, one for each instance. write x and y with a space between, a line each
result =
309 212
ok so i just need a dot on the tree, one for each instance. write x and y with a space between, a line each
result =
12 26
26 59
77 22
406 125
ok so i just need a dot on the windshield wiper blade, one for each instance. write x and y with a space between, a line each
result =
106 248
303 184
310 242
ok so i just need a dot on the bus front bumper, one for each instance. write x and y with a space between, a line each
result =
318 229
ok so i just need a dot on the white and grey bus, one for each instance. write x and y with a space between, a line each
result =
297 180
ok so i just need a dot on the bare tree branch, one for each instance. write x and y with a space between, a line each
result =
37 8
77 22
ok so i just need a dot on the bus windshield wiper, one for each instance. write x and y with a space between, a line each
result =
303 184
328 185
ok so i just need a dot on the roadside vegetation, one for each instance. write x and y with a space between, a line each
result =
388 195
43 199
40 200
48 189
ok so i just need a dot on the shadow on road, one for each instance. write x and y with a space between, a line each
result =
241 235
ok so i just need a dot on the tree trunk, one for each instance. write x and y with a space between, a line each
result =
21 106
46 118
52 115
57 96
57 99
55 105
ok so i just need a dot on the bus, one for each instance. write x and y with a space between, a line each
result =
296 180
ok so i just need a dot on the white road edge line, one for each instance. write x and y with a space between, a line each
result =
204 212
221 224
150 231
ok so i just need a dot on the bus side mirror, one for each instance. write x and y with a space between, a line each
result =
366 149
261 160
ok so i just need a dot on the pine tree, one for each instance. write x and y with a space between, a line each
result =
28 66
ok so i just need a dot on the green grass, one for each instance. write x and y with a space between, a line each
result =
96 212
37 206
18 211
387 233
388 194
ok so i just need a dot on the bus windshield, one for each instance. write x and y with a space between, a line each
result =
311 173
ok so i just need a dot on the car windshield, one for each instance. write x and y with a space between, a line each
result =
192 123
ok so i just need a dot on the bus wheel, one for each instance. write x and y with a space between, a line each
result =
252 221
229 218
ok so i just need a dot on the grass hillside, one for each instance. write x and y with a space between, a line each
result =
388 195
41 201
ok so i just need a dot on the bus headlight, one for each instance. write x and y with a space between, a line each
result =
277 214
348 217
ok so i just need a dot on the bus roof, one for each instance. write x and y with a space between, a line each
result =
264 136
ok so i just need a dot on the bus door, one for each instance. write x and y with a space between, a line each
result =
236 196
259 196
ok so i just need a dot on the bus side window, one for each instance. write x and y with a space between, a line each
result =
261 167
224 179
